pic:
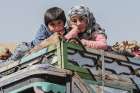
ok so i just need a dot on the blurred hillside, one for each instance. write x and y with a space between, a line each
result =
11 46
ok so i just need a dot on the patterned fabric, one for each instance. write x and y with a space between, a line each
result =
130 47
20 51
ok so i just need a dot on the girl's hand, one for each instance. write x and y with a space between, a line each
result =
74 27
72 33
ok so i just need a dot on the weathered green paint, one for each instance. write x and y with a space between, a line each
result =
59 58
37 54
45 86
64 54
60 51
71 45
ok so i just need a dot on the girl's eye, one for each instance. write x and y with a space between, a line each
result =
82 18
74 20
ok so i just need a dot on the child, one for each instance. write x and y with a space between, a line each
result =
54 19
83 24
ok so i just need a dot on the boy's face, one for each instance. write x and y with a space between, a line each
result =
80 22
56 26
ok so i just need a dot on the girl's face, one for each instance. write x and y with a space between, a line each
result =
80 22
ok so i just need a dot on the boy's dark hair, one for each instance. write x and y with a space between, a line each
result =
54 13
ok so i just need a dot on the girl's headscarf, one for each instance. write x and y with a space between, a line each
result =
83 11
91 21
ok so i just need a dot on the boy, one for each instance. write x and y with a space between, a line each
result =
54 19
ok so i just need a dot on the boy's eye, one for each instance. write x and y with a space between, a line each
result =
52 24
59 23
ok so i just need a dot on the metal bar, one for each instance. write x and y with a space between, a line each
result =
103 70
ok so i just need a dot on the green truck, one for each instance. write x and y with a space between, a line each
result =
66 67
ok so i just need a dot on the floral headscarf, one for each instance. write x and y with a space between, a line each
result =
83 11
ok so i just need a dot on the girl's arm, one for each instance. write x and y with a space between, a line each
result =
100 42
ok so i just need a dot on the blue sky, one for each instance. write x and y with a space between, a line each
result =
20 19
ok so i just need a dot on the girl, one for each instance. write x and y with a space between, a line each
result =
83 25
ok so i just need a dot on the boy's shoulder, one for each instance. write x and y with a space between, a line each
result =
44 29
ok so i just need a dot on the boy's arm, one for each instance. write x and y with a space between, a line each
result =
53 39
41 35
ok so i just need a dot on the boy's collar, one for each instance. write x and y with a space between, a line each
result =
50 33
